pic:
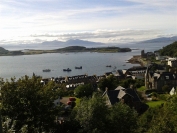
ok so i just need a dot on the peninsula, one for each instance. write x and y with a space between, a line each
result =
4 52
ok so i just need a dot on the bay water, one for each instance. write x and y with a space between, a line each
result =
92 64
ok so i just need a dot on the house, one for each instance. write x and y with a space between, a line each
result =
136 71
125 95
172 62
157 79
158 57
120 74
147 55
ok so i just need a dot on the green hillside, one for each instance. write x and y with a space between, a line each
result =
3 51
98 49
169 50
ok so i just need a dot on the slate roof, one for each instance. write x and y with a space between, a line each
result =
112 95
133 94
118 93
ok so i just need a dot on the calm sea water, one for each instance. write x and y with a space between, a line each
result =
92 63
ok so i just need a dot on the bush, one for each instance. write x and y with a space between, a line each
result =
150 91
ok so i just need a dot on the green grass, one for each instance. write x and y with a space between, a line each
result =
142 88
155 103
77 101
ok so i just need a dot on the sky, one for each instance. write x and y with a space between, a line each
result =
107 21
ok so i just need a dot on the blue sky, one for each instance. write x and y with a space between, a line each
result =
109 21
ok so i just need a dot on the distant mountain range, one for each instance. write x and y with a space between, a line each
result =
160 42
161 39
72 42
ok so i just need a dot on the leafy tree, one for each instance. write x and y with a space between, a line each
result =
165 120
166 88
92 114
95 116
28 105
123 119
144 121
83 91
110 82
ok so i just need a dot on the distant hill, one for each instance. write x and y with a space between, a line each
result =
82 43
55 42
72 42
98 49
152 44
3 51
169 50
161 39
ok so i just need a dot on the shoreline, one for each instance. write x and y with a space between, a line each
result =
136 59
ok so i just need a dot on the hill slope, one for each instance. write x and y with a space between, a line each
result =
3 51
169 50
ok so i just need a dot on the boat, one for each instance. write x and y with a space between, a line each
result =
108 66
67 70
46 70
78 67
123 65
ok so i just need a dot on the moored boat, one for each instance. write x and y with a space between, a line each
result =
67 70
78 67
46 70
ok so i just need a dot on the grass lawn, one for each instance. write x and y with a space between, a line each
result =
155 103
142 88
77 101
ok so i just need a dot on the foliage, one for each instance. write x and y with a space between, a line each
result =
169 50
92 114
160 119
3 51
144 121
83 91
122 119
28 105
165 119
150 91
135 82
110 82
166 88
155 103
142 88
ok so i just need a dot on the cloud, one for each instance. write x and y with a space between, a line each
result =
57 19
125 35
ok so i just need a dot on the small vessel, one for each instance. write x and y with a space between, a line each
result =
46 70
123 65
78 67
108 66
67 70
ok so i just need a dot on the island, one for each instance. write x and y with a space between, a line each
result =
4 52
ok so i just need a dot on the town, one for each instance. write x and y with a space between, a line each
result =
80 103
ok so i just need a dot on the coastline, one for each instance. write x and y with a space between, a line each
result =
136 59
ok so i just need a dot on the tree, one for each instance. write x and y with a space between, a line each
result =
123 119
83 91
29 105
92 114
165 120
166 88
160 119
110 82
